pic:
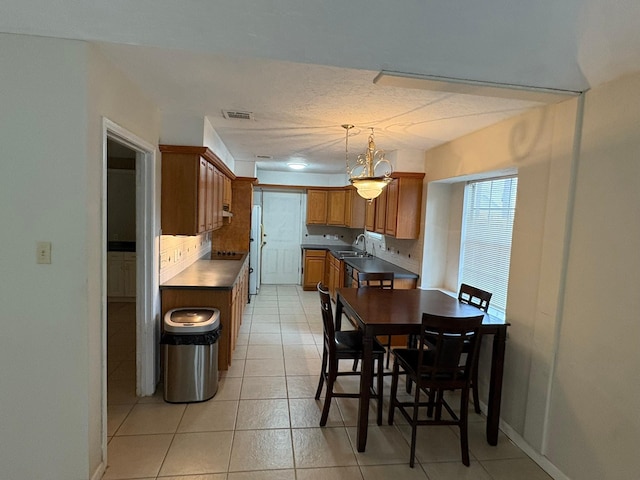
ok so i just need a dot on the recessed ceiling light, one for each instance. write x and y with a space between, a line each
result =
296 165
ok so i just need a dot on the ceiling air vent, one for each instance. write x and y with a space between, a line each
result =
237 115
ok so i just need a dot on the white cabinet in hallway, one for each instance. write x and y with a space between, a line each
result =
121 274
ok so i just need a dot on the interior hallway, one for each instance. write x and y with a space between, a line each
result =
263 422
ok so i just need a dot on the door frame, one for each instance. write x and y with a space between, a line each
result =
147 265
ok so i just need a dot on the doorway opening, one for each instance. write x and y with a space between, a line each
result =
130 303
281 254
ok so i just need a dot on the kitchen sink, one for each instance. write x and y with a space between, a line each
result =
350 253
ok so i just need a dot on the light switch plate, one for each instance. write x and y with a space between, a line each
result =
43 252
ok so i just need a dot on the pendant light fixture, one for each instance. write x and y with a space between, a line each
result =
371 171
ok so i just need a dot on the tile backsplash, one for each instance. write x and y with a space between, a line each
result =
178 252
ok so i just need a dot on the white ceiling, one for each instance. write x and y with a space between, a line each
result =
305 68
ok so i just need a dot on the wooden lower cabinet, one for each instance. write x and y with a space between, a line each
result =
230 301
336 275
313 268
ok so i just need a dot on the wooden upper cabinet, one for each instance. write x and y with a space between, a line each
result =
184 193
381 211
404 205
336 207
316 207
210 198
354 209
341 207
391 214
192 192
370 215
227 193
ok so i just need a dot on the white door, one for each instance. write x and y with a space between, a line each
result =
282 220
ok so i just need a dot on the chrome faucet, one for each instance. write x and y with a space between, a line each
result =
364 241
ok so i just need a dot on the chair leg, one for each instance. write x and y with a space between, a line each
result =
474 388
474 380
432 402
393 393
355 365
414 426
439 399
331 378
388 349
464 433
323 371
380 376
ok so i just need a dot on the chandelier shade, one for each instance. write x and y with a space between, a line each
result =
371 171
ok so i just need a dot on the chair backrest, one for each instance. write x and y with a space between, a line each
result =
443 340
329 327
474 296
376 280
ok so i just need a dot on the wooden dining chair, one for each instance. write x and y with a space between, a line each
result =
382 280
438 364
343 345
480 299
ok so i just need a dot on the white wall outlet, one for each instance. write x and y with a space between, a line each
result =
164 259
43 252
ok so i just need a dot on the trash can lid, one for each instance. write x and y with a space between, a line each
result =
191 320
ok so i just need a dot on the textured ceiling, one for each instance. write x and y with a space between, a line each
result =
305 68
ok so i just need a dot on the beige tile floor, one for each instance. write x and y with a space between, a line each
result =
263 422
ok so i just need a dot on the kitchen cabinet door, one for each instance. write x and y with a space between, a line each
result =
314 268
336 207
316 207
129 274
218 198
115 278
404 205
336 276
121 274
184 194
391 215
210 199
370 215
227 193
381 211
354 209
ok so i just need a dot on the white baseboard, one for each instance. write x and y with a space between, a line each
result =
99 473
542 461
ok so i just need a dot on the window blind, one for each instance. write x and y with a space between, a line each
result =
487 226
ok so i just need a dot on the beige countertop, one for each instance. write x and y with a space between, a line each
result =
214 274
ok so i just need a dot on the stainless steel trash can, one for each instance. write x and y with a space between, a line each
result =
190 354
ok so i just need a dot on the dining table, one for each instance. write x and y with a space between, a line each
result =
399 312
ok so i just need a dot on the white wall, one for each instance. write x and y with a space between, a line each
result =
594 426
44 192
50 190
